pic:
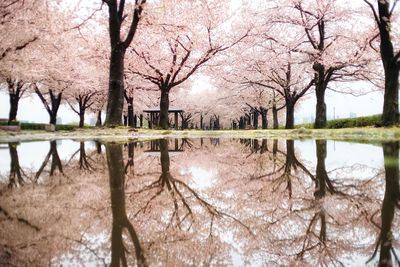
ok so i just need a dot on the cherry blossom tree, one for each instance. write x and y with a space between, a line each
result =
16 89
326 27
23 23
119 43
291 82
183 50
388 254
19 21
87 84
390 58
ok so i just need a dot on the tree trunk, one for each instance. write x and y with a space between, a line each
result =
115 164
15 92
290 164
134 125
53 118
391 64
141 120
55 101
131 115
16 178
82 119
55 105
275 148
164 157
125 120
201 122
321 174
289 115
98 147
390 115
164 107
390 200
98 121
115 102
14 99
320 113
55 158
264 120
255 119
275 117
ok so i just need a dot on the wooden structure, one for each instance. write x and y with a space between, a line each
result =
154 147
155 113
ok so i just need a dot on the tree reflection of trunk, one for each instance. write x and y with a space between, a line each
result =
291 165
264 146
120 220
322 181
390 201
183 196
275 147
98 147
55 162
85 162
130 163
16 172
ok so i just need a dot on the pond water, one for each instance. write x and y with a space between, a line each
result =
199 202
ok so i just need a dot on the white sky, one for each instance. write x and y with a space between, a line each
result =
31 109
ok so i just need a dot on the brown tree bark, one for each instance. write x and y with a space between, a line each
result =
391 65
131 115
264 120
289 114
389 204
320 89
275 116
116 171
164 107
115 101
98 121
15 93
55 102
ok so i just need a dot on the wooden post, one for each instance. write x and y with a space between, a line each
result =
176 120
151 121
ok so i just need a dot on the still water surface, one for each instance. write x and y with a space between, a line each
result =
200 202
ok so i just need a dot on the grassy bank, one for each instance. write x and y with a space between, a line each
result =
347 123
367 134
42 126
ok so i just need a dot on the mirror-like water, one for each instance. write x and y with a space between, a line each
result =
199 202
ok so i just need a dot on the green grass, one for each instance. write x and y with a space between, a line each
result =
365 121
41 126
2 123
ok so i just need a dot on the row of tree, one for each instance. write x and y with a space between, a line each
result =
250 57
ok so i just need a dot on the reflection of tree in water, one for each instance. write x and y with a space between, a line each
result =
129 166
255 146
85 161
55 161
283 170
391 200
310 226
183 196
179 145
17 174
322 183
120 220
